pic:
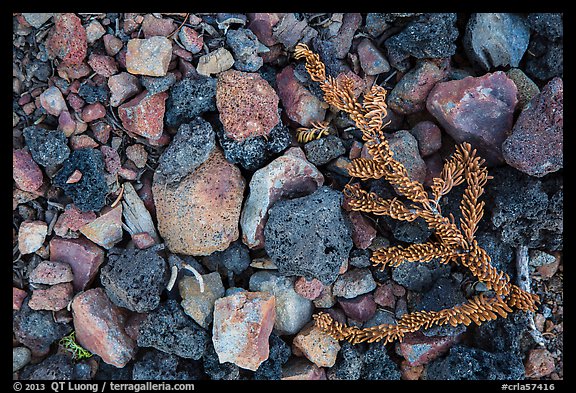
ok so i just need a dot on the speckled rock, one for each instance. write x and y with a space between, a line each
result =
215 62
103 65
405 148
149 56
21 356
363 230
245 47
57 367
31 235
53 298
52 101
317 346
18 296
382 367
67 39
353 283
144 114
539 363
198 304
189 98
37 19
122 87
50 273
419 349
372 60
183 220
191 39
323 150
105 230
309 289
25 172
527 89
429 137
71 220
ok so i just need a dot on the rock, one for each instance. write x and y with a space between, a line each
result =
149 56
105 230
67 39
215 62
245 46
190 147
21 356
103 65
112 160
292 310
363 230
93 112
242 325
183 220
496 39
134 279
323 150
348 364
317 346
25 172
37 19
53 298
512 335
137 154
83 256
112 44
299 103
309 289
419 349
94 31
535 145
353 283
191 39
475 364
71 220
384 295
341 39
476 110
153 26
90 192
539 363
289 31
18 296
308 236
527 89
92 93
235 259
81 142
372 60
262 25
144 114
99 326
136 217
360 308
248 105
56 367
189 98
271 368
37 330
547 24
158 84
429 137
197 304
410 93
430 35
31 235
405 148
216 370
382 367
301 369
52 101
160 366
170 330
122 87
51 273
419 276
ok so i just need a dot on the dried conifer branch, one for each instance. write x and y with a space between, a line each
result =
425 252
307 134
369 202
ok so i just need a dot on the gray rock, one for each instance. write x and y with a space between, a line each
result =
548 24
190 147
378 365
46 147
158 84
547 60
94 93
348 366
216 370
160 366
417 276
189 98
511 334
245 47
55 367
323 150
170 330
197 304
21 356
292 310
496 39
271 368
353 283
135 279
235 259
309 236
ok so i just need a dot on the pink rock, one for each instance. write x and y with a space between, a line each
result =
434 165
308 289
137 154
317 346
429 137
103 65
384 296
372 60
144 114
94 31
127 173
363 230
150 56
53 101
54 298
360 308
112 44
18 296
301 369
25 172
71 221
342 39
82 142
242 326
73 71
539 363
93 112
66 123
287 176
111 159
248 105
31 235
101 131
300 104
100 327
51 273
191 39
106 230
536 144
122 87
143 240
262 25
477 110
82 255
152 26
419 349
67 39
75 101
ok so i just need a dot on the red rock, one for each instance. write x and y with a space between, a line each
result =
317 346
360 308
106 230
262 25
152 26
434 165
191 39
25 172
384 296
100 327
248 105
72 220
82 142
53 101
418 349
301 369
54 298
93 112
103 65
75 101
145 193
137 154
73 71
143 240
535 145
18 296
29 108
111 159
429 137
299 103
51 273
112 44
477 110
342 40
67 39
241 328
181 53
127 173
372 60
539 363
308 289
66 123
82 255
94 31
363 230
144 114
150 56
358 84
31 235
410 373
101 131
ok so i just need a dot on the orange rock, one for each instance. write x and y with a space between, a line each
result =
317 346
106 230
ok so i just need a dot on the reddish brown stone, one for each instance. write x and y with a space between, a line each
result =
122 87
301 369
191 39
101 131
75 177
137 154
372 60
418 349
429 137
72 220
75 101
51 273
143 240
153 26
308 289
100 327
112 44
410 373
111 159
93 112
539 363
67 39
66 123
103 65
18 296
262 24
384 296
360 308
25 172
54 298
82 142
82 255
144 114
363 230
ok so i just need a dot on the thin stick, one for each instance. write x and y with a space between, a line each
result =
196 274
173 276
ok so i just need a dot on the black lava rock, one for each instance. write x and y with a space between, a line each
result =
547 59
323 150
158 366
158 84
501 254
348 366
550 25
309 236
55 367
108 372
189 98
236 258
92 93
464 363
170 330
216 370
511 334
378 22
46 147
135 279
245 46
378 365
419 276
90 192
190 147
271 368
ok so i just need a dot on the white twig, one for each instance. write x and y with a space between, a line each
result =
196 274
173 276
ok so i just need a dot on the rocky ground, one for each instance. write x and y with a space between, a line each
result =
165 212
